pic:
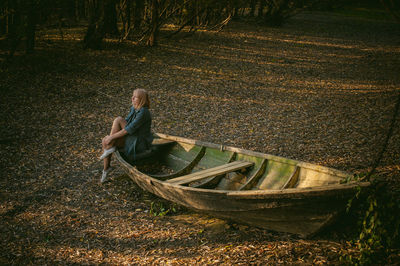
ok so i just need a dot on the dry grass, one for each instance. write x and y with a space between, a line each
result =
321 89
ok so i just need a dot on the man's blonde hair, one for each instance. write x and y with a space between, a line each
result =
143 98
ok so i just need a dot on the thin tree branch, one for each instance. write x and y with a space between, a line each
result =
388 136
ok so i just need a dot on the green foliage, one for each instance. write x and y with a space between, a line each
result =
356 177
161 208
379 207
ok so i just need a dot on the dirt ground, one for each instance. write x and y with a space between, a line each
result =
321 89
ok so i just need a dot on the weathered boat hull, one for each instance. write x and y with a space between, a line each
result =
303 211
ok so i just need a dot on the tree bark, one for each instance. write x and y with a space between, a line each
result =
31 27
153 37
392 7
138 14
3 20
262 4
103 20
253 4
95 31
110 18
14 36
128 16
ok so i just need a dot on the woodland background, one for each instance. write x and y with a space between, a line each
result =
316 81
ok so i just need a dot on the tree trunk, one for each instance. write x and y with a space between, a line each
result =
3 26
392 7
110 18
152 41
128 15
275 13
95 32
262 4
139 5
31 27
103 20
14 22
253 4
76 10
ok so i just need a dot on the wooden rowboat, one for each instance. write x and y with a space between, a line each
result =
248 187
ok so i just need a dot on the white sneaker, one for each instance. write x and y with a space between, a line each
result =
107 152
104 174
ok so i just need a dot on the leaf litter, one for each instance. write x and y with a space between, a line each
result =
311 90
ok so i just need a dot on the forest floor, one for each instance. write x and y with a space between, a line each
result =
320 89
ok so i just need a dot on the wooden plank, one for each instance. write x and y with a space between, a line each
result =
186 169
212 172
219 170
293 179
178 157
205 171
162 141
214 180
257 162
276 175
253 180
214 157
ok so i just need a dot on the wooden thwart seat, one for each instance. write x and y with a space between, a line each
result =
162 141
218 170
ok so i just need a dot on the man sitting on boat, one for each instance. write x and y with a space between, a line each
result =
131 135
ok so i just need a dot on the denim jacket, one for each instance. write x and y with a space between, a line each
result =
139 137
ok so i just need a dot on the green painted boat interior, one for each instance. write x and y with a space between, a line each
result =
265 174
180 156
276 175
